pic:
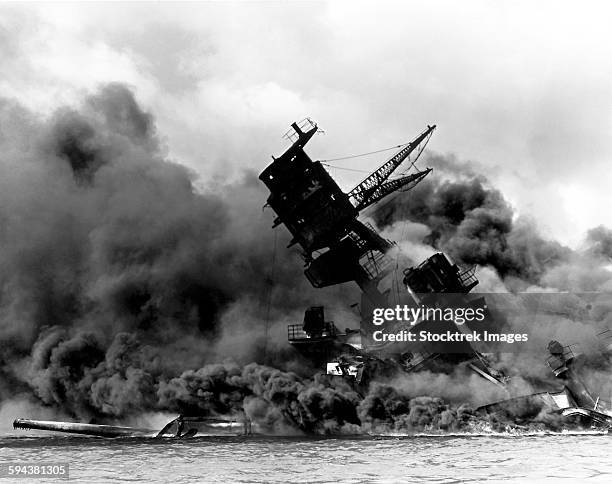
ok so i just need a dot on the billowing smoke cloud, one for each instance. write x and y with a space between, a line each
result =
599 240
472 222
125 290
117 274
392 409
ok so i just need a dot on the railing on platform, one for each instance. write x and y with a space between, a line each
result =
296 332
305 125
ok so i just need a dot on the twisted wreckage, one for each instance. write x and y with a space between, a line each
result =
338 248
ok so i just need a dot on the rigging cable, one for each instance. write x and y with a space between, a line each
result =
345 169
364 154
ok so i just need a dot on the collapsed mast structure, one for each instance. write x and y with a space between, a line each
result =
337 248
322 219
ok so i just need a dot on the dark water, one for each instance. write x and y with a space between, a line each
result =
526 458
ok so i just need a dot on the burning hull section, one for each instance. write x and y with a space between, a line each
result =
558 405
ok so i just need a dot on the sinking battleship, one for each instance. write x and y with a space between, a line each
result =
339 248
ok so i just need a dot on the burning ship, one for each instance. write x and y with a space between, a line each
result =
338 248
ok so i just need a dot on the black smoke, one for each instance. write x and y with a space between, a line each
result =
117 275
124 289
471 221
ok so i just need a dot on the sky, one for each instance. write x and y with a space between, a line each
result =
521 89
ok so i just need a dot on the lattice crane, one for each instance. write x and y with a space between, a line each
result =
375 186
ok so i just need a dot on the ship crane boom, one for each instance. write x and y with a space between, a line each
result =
373 187
406 182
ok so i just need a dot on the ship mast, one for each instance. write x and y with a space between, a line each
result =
323 220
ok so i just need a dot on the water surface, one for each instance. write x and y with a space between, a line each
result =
472 458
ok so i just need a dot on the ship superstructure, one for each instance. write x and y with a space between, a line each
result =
338 248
